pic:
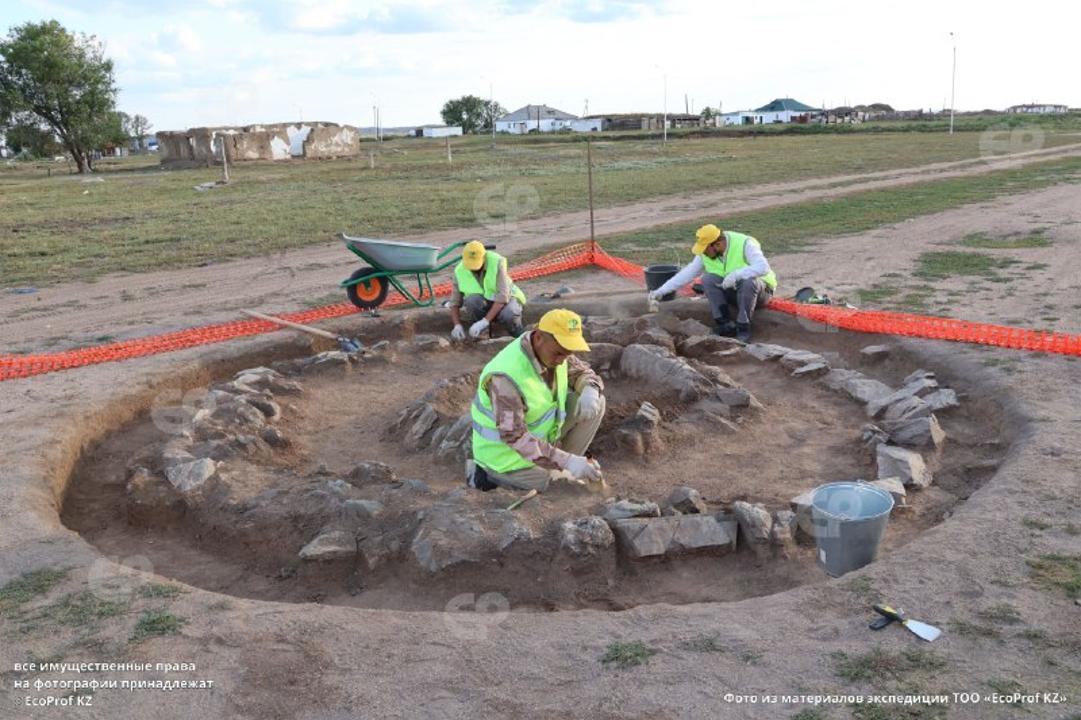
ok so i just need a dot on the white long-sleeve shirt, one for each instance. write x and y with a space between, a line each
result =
757 266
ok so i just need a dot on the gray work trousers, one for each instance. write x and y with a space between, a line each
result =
475 307
575 438
748 295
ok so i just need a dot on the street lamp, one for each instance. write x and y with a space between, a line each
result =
665 74
491 107
953 80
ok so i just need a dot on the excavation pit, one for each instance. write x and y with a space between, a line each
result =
339 479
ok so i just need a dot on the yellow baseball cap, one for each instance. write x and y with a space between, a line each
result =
473 255
704 237
566 327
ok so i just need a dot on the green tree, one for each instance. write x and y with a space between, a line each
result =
27 136
63 79
474 114
140 126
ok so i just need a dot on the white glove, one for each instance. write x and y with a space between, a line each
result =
477 328
458 333
582 468
729 281
654 295
589 403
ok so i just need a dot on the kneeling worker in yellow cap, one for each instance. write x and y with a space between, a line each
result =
483 288
537 409
734 272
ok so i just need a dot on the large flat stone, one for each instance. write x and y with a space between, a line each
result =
765 351
856 385
898 462
332 545
188 476
661 369
916 388
654 537
921 432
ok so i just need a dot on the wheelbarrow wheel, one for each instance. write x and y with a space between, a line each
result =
367 294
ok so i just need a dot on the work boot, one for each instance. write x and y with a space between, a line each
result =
516 329
724 328
743 332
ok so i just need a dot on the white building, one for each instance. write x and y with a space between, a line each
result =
534 118
784 110
587 125
438 131
1037 109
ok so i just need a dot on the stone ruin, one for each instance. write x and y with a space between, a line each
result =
277 141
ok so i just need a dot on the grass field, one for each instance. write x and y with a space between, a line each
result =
132 216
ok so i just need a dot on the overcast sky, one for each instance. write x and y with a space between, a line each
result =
186 63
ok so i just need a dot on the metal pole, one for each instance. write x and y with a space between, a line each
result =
491 110
953 81
665 140
589 165
224 160
449 159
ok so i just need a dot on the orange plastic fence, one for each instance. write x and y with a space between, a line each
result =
21 366
569 258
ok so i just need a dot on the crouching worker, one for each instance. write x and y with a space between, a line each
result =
483 288
734 272
536 410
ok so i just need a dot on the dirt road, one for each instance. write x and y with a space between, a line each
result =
124 306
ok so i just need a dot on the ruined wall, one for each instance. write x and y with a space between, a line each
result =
332 142
277 141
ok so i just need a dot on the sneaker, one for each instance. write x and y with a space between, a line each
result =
743 332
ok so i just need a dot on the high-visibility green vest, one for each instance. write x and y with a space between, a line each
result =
467 281
544 415
734 259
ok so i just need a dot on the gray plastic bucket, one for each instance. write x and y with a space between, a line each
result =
849 521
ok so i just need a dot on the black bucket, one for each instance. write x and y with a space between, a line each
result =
657 275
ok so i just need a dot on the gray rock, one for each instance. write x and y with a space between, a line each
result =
585 536
875 352
856 385
273 437
216 449
656 336
189 476
755 524
176 452
431 342
426 420
922 432
630 508
616 333
238 415
894 487
329 360
450 534
270 409
734 397
416 486
796 359
917 375
897 462
692 328
801 506
783 531
871 436
700 346
687 500
659 368
457 443
603 356
330 545
765 351
151 500
943 399
370 473
363 509
905 409
815 369
915 388
713 374
653 537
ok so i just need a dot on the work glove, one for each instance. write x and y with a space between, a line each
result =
458 333
582 468
589 403
477 328
654 295
729 281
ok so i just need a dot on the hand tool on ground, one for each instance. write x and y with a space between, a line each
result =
520 501
545 298
920 629
346 344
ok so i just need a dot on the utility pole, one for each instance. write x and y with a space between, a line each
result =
953 80
665 136
589 165
491 110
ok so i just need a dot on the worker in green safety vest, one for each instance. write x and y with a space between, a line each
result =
484 290
536 410
734 272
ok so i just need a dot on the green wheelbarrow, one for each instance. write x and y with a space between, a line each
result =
388 262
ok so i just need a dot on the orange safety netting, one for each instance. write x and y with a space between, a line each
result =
568 258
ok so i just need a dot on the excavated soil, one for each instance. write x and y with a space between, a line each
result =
804 435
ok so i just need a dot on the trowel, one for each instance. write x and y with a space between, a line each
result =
920 629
